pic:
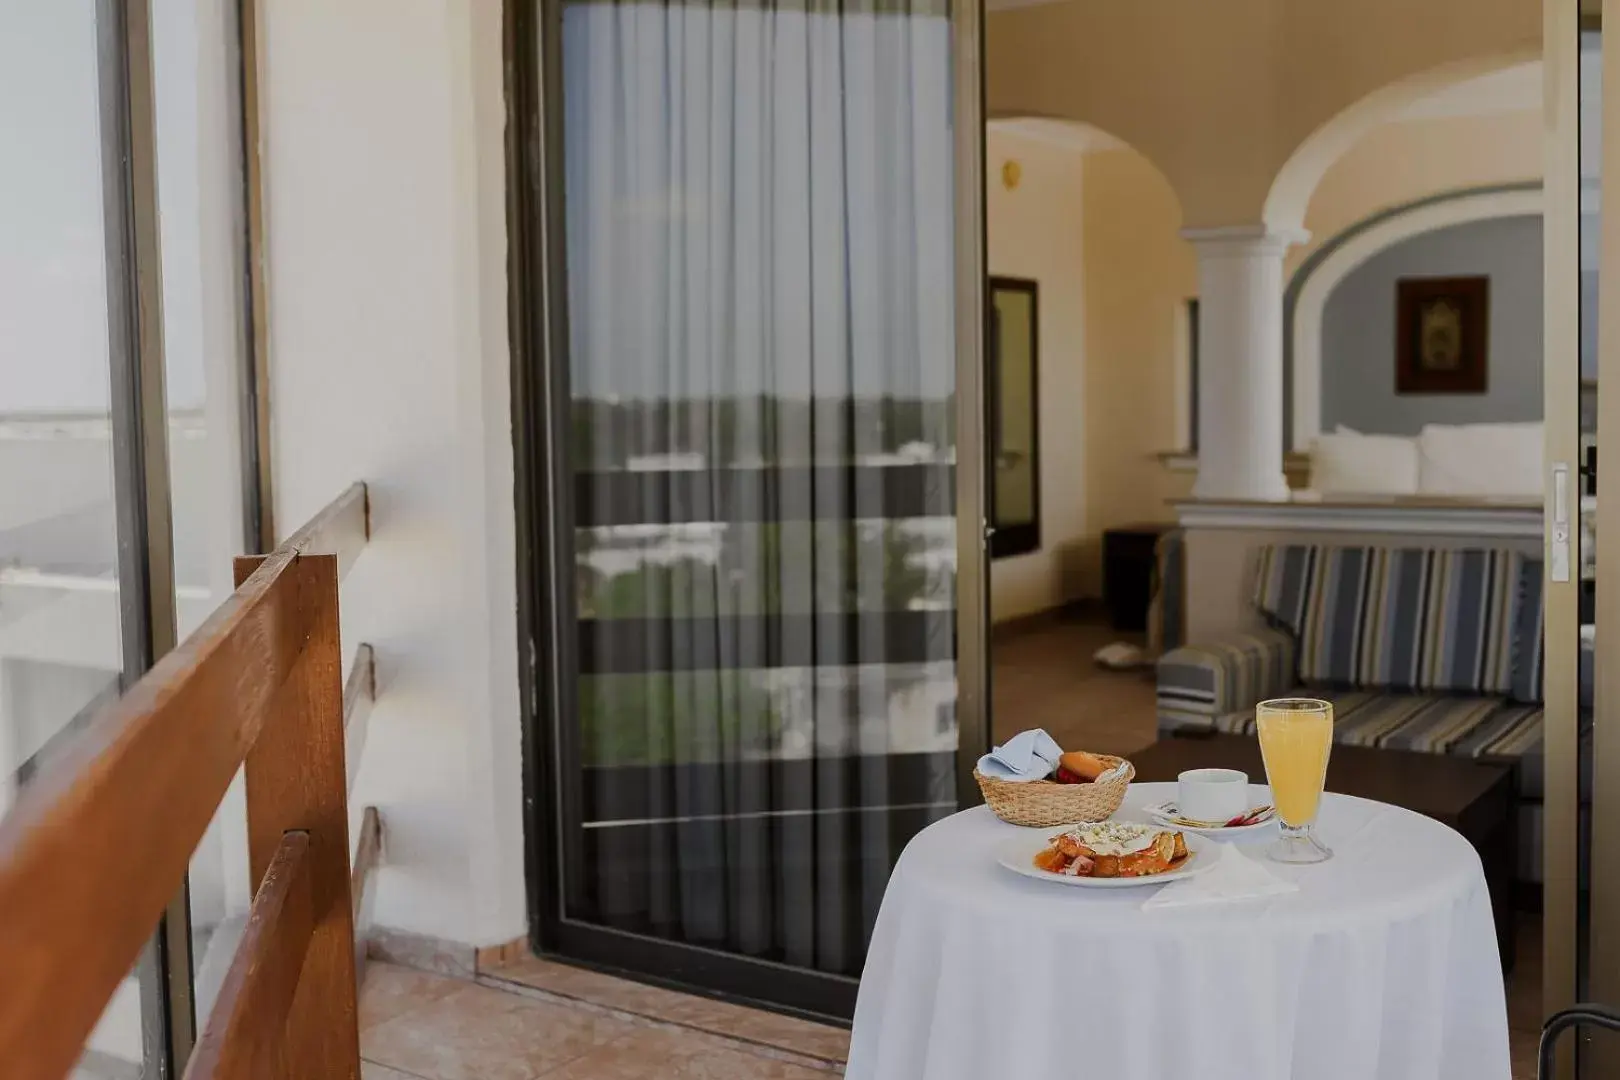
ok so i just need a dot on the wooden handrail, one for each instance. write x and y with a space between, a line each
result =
251 1011
341 528
367 855
359 694
99 840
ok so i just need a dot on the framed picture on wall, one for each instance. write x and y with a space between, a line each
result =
1441 335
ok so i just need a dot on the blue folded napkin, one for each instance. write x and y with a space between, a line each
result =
1029 755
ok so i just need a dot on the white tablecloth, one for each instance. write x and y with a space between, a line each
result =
1382 966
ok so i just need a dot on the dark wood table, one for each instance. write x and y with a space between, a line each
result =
1475 799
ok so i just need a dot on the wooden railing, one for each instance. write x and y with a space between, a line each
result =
99 841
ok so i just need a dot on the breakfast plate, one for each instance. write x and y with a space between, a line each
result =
1165 814
1018 855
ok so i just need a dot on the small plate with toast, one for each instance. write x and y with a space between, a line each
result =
1250 821
1109 855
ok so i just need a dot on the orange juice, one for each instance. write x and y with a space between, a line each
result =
1295 739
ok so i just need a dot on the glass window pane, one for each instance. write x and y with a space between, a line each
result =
1591 124
61 653
762 432
705 569
200 199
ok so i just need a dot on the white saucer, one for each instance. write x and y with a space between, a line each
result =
1222 830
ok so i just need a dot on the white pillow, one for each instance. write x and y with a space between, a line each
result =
1349 463
1481 459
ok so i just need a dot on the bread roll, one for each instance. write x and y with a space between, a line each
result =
1086 766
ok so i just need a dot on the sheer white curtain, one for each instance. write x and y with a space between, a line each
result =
759 202
759 236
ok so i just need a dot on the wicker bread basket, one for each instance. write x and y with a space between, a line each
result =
1041 804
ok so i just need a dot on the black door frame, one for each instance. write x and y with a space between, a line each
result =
543 482
1021 538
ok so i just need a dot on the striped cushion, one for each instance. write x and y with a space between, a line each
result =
1486 729
1423 619
1198 682
1527 635
1167 616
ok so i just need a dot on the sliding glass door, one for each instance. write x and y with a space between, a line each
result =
750 235
1581 860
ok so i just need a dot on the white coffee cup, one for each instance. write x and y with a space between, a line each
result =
1213 795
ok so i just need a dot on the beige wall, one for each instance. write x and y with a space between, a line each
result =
1136 272
1139 274
1218 100
1035 232
1220 96
1400 162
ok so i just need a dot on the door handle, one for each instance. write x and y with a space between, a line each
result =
1559 545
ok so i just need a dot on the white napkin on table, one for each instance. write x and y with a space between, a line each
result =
1029 755
1235 876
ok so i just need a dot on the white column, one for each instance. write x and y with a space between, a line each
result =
1240 361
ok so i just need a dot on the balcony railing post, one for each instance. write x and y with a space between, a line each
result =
296 781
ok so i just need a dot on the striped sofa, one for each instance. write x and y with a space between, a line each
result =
1421 649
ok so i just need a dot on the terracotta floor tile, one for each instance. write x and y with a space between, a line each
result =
593 986
390 990
655 1054
720 1017
370 1070
481 1034
1044 677
772 1029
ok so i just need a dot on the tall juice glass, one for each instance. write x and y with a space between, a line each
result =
1296 735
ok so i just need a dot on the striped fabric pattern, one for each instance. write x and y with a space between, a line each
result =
1199 682
1528 648
1167 615
1486 729
1419 619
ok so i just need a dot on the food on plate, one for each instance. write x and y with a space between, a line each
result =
1085 767
1107 849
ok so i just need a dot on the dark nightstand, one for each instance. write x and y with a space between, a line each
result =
1128 568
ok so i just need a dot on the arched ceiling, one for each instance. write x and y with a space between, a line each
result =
1221 95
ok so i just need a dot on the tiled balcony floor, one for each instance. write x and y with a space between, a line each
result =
538 1019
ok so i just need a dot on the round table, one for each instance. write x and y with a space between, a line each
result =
1382 966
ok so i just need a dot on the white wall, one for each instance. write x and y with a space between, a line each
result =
388 361
1035 232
